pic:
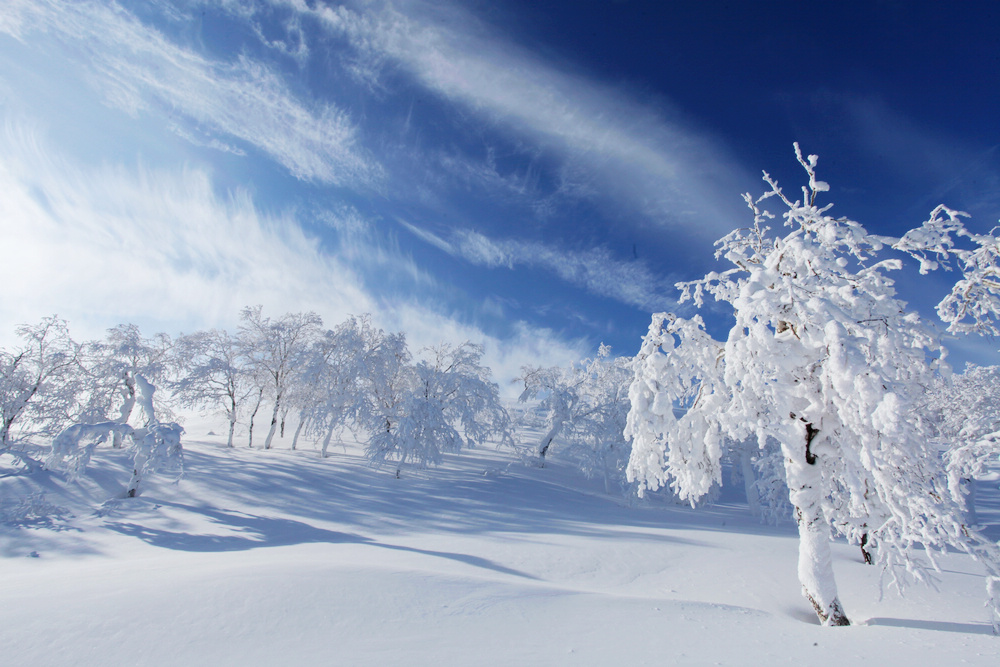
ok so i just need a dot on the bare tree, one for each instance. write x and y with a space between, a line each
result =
274 349
39 382
213 374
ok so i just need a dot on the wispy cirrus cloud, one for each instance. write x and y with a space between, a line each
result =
613 145
136 67
152 245
163 249
595 270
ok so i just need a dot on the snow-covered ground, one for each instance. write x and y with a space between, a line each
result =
280 557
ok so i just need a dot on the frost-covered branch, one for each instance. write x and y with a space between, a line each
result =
973 304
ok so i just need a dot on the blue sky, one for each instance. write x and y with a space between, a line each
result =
530 175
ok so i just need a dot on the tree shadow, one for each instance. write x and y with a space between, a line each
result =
938 626
245 531
236 532
457 500
988 508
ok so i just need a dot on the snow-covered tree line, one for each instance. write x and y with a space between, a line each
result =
354 376
824 362
274 370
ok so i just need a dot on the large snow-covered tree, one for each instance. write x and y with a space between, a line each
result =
555 387
386 379
824 359
337 385
112 367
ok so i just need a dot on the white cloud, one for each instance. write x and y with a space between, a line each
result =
479 249
594 269
427 237
612 145
136 67
111 243
162 249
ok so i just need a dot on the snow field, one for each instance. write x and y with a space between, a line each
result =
278 557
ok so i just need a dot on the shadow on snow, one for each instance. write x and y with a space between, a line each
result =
258 531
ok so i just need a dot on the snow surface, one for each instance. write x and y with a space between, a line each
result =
279 557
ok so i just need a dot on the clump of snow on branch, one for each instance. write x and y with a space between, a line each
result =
678 369
73 447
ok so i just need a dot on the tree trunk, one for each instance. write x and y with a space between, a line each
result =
750 480
126 410
804 477
547 439
231 413
133 484
274 424
232 429
5 432
253 414
866 555
298 429
607 476
326 441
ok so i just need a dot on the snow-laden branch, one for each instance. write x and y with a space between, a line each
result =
973 304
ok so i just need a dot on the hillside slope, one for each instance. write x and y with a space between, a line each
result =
279 557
